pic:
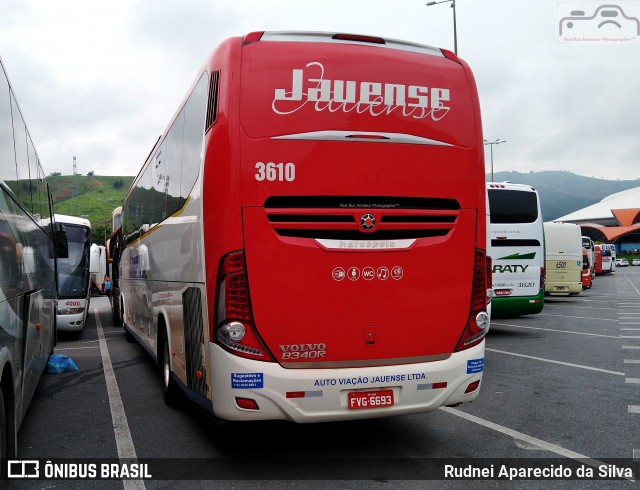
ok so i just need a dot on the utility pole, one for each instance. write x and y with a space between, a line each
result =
75 178
491 143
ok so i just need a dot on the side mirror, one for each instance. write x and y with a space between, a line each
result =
61 241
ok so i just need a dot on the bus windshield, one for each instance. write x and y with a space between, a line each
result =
73 272
503 210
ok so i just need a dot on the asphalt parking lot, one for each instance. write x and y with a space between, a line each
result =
561 387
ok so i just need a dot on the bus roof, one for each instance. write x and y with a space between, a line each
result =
72 220
510 185
344 38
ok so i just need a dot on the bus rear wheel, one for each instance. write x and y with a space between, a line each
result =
3 432
170 390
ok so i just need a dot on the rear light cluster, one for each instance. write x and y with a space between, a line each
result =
478 321
234 329
543 277
489 279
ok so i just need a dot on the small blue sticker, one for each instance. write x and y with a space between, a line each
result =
475 366
247 380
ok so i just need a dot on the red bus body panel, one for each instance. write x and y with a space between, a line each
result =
415 315
598 259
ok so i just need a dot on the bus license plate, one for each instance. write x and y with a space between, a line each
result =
370 399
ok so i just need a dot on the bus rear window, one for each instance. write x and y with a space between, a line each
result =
509 206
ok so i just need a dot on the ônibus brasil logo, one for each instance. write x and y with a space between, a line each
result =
308 86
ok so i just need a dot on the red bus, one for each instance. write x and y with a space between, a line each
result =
604 264
598 263
586 269
284 240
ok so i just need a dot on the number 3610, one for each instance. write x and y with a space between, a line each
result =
275 172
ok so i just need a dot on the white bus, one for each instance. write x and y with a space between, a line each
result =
74 284
27 271
591 250
97 267
563 252
517 249
612 251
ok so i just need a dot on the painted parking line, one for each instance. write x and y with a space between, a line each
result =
581 317
632 285
582 307
556 330
635 381
631 408
554 448
124 442
569 364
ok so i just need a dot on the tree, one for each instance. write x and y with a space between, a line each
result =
55 174
118 184
100 233
90 174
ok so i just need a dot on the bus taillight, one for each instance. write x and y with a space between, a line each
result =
478 321
234 320
489 279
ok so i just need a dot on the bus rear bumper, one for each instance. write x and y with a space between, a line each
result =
71 323
321 395
563 288
517 305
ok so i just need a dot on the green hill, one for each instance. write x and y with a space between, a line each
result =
562 193
93 197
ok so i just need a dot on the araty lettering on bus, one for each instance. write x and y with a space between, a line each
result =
377 98
509 268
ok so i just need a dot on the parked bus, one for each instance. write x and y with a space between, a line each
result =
74 280
612 251
517 249
598 262
284 238
591 250
114 250
27 270
586 270
563 253
603 260
97 267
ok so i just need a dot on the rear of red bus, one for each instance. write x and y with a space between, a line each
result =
346 240
598 265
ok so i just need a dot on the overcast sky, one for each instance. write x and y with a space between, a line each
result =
100 80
